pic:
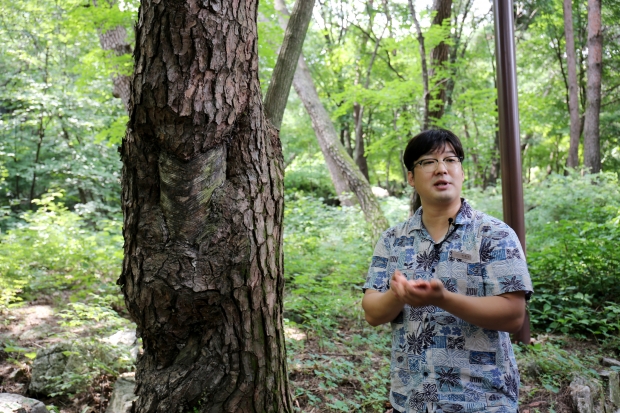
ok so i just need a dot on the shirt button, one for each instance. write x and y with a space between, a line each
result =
433 270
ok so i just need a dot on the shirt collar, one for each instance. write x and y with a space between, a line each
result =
464 216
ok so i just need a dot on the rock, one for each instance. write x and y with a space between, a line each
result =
125 338
612 379
380 192
50 363
582 398
587 395
123 394
609 362
15 403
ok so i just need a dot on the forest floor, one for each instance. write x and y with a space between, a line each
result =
330 372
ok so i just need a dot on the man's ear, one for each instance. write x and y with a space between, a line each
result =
410 179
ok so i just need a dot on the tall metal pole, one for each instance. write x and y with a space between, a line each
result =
510 145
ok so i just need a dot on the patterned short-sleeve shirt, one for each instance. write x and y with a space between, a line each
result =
440 362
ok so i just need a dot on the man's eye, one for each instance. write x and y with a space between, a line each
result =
428 162
451 160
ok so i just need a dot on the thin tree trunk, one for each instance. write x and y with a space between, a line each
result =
591 137
359 153
425 115
282 77
346 176
340 184
202 197
334 152
345 138
116 39
573 87
439 56
41 135
456 50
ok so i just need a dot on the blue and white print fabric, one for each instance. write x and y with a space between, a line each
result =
440 362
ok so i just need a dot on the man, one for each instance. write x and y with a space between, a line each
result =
453 282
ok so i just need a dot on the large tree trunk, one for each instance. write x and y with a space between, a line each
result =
573 87
345 174
202 200
439 56
591 138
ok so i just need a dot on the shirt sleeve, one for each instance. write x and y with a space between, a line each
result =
378 277
504 268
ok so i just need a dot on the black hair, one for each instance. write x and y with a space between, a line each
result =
428 141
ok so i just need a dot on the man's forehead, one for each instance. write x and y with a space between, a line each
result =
445 149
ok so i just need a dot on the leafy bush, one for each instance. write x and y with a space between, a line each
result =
572 225
309 175
576 279
95 354
551 366
573 235
54 248
327 252
589 198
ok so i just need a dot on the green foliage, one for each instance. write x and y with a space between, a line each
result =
353 374
551 366
55 99
572 236
56 249
309 175
95 354
327 252
588 198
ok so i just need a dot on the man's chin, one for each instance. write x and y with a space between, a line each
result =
446 198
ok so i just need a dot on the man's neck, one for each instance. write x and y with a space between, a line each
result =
436 218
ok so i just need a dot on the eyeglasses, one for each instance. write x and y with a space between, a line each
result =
430 165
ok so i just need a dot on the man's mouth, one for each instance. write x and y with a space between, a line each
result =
441 184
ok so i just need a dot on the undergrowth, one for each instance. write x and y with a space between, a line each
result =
337 362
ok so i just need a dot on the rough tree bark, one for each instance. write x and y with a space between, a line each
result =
439 56
573 87
202 197
282 77
345 174
591 137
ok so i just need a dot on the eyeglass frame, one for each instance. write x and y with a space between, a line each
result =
436 162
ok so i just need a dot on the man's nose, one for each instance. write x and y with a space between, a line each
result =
441 167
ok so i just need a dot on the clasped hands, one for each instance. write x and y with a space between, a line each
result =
417 293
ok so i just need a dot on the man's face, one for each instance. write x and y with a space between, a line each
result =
442 185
